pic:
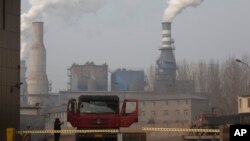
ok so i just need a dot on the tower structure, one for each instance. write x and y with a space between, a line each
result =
165 81
37 79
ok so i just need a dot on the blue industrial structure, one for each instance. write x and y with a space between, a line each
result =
127 80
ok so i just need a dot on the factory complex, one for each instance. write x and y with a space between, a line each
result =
172 103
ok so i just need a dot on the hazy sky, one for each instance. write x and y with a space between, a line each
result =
127 34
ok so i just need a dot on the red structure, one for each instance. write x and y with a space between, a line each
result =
101 112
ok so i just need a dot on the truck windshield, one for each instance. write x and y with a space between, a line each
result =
99 107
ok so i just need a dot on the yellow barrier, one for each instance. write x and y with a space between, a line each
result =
66 131
180 130
10 134
116 130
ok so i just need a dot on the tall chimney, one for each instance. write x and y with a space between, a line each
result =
166 66
166 35
37 78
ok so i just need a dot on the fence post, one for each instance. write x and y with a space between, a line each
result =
10 134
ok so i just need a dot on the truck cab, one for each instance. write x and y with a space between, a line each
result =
101 112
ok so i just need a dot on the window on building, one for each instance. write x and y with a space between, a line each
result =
153 113
185 112
248 100
141 103
151 121
177 112
178 102
166 102
153 103
165 112
143 113
240 103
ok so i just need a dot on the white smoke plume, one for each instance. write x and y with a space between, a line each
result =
51 10
176 6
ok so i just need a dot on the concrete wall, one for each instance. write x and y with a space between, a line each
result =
9 65
28 110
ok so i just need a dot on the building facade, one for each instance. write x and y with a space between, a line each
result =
88 77
9 65
244 104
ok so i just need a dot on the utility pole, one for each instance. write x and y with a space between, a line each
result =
248 74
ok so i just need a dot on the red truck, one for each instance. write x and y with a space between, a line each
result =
91 112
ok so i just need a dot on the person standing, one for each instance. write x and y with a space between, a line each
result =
57 126
26 136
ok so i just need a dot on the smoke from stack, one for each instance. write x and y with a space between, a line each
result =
176 6
49 10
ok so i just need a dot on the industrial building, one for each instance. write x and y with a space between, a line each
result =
88 77
171 104
127 80
9 65
165 110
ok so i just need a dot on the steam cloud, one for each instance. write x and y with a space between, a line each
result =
51 10
176 6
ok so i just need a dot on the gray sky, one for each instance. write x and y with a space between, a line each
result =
127 34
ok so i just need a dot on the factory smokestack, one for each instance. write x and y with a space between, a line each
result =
53 10
176 6
166 35
37 78
166 66
165 82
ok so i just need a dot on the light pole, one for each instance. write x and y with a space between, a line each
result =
240 61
